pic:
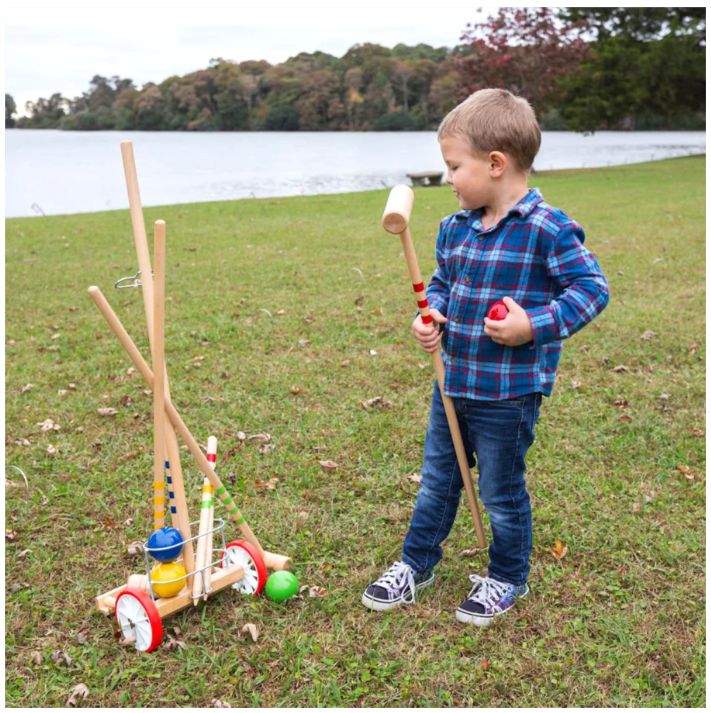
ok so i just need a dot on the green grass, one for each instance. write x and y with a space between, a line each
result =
619 621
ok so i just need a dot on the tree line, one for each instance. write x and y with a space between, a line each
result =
583 69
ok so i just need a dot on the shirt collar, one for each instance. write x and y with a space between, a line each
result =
523 207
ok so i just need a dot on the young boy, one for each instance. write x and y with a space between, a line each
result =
505 242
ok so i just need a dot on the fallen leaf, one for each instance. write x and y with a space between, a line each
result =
625 419
559 551
622 403
261 437
107 411
252 630
620 369
317 591
135 548
83 635
377 311
26 388
125 400
36 656
309 320
10 535
303 342
328 466
61 657
18 587
373 352
217 703
265 448
484 665
295 390
686 471
345 362
281 312
648 335
636 507
268 484
414 477
241 435
10 343
55 336
80 692
377 401
470 553
52 451
61 392
23 553
696 431
48 425
575 384
359 300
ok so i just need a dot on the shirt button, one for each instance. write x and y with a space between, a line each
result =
466 279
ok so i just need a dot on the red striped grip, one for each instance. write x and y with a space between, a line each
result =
419 288
422 303
212 458
426 319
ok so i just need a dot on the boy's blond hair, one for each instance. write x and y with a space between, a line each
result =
495 120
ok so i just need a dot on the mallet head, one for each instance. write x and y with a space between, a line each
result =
396 217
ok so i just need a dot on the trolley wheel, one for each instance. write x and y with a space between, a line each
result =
138 619
247 556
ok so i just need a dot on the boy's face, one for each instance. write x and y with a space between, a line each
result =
467 173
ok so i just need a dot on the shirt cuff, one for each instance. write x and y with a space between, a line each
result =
544 325
439 303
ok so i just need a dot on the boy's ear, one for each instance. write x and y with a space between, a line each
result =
497 164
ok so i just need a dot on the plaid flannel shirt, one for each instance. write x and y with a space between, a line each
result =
534 255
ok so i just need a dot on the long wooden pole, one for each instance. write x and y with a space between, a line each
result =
140 363
396 219
159 375
172 456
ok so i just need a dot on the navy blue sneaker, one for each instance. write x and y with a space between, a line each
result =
488 599
397 586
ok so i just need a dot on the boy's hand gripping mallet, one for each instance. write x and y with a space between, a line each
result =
396 219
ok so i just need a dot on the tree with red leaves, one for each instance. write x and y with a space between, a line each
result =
527 50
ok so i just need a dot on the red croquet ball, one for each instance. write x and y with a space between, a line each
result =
498 311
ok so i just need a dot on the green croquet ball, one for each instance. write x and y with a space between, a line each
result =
281 585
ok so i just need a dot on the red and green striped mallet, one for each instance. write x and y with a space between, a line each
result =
396 220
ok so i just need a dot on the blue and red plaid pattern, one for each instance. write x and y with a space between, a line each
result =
534 255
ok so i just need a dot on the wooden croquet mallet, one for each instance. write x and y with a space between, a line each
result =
276 561
172 455
396 220
159 376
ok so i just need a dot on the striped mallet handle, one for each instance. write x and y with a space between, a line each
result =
159 375
201 560
212 459
140 363
396 220
179 507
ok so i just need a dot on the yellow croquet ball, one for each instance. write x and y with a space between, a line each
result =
161 577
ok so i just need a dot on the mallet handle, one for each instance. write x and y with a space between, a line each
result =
172 456
396 219
140 363
159 374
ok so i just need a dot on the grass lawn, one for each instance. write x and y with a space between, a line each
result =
617 473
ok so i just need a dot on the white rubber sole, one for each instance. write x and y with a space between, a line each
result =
380 605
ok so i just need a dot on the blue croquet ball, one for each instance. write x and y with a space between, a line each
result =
281 585
165 537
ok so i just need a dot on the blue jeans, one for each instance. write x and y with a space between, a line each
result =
497 434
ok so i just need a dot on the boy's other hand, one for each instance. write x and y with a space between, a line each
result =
514 330
427 335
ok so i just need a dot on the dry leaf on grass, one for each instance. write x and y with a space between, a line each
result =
61 392
79 693
83 635
372 352
36 656
700 432
26 388
559 551
55 336
107 411
135 548
18 587
261 437
241 436
295 390
48 425
268 484
328 466
52 451
470 553
61 657
636 507
686 471
265 448
317 591
575 384
252 630
622 403
345 362
648 335
10 535
23 554
303 342
217 703
414 477
484 665
625 419
377 402
621 369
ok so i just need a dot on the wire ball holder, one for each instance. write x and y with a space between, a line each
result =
148 552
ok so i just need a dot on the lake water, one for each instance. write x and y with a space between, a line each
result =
54 172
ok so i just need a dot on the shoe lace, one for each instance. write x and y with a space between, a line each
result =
398 577
487 591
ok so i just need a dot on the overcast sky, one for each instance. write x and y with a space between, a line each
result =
60 50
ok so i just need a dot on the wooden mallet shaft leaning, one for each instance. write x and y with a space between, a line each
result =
396 220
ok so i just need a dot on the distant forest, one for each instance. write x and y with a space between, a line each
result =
583 69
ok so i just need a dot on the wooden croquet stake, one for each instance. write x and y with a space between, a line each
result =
212 459
396 220
280 561
159 376
179 507
202 557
